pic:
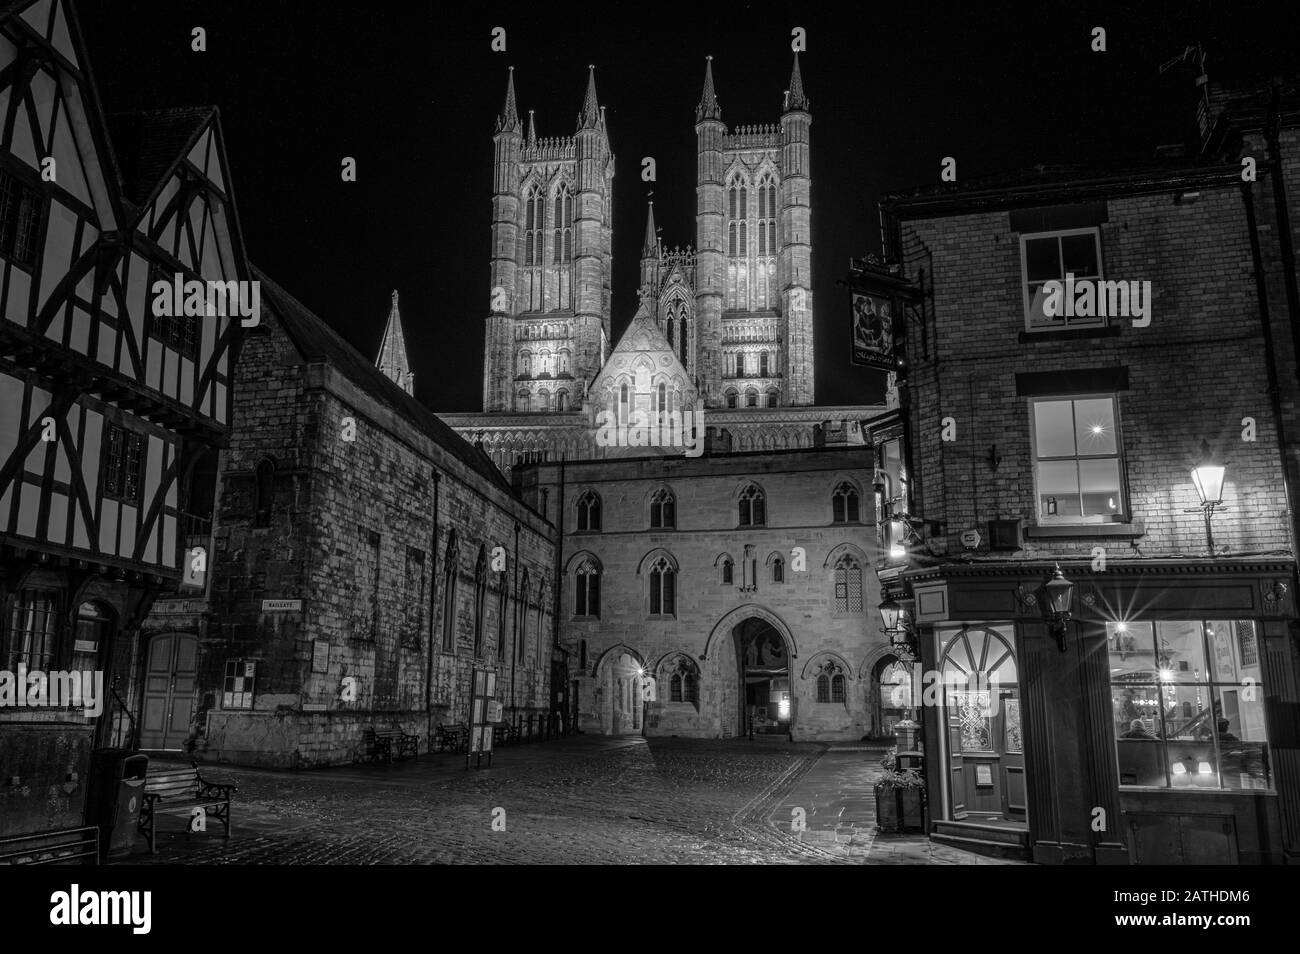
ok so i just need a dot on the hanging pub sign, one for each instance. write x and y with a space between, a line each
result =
878 293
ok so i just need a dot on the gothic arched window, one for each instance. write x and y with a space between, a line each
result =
752 507
623 404
524 403
762 364
728 571
823 688
662 509
848 585
589 512
503 598
684 682
778 570
837 687
480 592
771 398
561 400
586 595
563 225
663 588
731 397
751 398
844 503
535 215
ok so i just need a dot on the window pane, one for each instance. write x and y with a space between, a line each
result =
1079 255
1181 655
1054 429
1100 486
1058 488
1132 654
1138 751
1094 420
1042 259
1187 714
1243 741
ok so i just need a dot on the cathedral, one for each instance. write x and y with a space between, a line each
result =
714 528
724 328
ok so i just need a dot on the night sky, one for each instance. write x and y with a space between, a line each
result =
412 90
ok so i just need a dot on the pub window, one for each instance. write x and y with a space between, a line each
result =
662 513
663 588
848 585
33 627
1049 256
844 503
237 688
586 596
1187 700
20 218
123 464
752 507
589 512
1078 461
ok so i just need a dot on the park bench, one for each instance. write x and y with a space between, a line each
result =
64 846
453 737
503 733
178 792
381 743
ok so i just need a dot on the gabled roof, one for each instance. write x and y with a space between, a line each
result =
643 337
317 341
147 144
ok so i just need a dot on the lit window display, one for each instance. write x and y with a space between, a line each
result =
1188 704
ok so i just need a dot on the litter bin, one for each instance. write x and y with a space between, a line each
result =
114 798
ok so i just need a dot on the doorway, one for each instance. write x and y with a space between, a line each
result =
171 669
622 690
764 668
986 760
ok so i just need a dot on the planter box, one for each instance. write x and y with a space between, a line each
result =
900 809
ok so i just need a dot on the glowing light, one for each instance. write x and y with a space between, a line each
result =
897 551
1179 768
1204 769
1121 627
1097 428
1166 675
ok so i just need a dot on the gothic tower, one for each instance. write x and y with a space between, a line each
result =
548 328
392 352
753 300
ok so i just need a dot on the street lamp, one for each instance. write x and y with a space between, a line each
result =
894 618
1207 477
1055 597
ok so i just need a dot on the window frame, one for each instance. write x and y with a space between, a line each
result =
662 501
583 515
40 205
1065 324
661 568
1124 513
121 471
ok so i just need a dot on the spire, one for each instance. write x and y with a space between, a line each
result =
795 99
590 115
532 129
708 108
508 121
651 247
392 352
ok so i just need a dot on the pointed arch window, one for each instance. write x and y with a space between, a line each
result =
752 509
848 585
662 509
728 571
449 594
684 682
589 512
563 225
503 599
480 598
844 503
586 594
663 588
561 400
623 403
823 688
534 217
762 364
751 398
731 397
524 402
521 626
771 398
778 570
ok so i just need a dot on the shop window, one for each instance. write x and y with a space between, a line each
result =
1078 461
1187 701
33 628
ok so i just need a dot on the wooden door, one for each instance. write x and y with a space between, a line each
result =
170 673
956 764
1014 796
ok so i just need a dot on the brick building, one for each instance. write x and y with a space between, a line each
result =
1162 728
741 583
367 560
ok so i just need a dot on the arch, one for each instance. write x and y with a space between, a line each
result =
662 507
846 501
612 653
723 627
981 649
840 549
654 554
589 512
820 657
874 658
580 556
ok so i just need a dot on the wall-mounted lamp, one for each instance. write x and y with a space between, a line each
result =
1053 599
1207 477
894 618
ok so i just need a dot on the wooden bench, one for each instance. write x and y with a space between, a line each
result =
64 846
381 743
178 792
453 737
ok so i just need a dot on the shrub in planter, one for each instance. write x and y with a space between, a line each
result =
900 797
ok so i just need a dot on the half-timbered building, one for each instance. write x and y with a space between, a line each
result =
111 410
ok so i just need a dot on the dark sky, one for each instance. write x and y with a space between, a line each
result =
411 90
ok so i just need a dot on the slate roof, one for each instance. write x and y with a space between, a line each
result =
317 341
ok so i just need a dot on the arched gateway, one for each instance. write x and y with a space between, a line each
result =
752 650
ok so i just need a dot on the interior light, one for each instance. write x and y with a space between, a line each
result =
1180 768
1203 768
1121 627
1096 428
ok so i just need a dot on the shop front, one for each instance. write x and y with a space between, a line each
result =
1153 724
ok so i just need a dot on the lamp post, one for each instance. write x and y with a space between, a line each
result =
1207 477
1055 597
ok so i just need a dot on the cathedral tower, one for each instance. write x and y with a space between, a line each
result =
753 299
548 329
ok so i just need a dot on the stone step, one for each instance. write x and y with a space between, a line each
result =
978 846
998 834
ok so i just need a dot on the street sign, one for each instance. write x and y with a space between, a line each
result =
281 606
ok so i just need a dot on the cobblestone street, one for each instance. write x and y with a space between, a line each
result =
589 800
